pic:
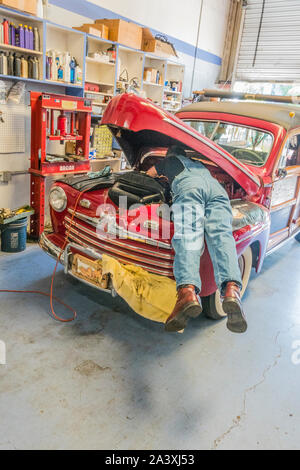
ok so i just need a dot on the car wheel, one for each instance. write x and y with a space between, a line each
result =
212 305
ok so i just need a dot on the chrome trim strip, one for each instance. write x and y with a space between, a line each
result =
283 205
253 234
45 244
124 261
122 233
283 243
198 137
119 244
118 252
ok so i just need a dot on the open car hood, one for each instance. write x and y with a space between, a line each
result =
138 123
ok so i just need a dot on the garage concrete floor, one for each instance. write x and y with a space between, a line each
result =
113 380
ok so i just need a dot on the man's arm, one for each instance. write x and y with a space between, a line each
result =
152 172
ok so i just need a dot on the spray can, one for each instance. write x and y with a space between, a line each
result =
30 67
35 69
3 63
10 64
6 32
1 34
36 39
24 67
17 66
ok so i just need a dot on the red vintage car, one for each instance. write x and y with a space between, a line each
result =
253 149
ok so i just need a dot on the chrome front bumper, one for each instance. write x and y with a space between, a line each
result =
52 250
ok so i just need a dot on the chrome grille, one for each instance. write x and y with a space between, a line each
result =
157 260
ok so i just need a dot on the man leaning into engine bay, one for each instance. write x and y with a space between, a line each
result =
202 212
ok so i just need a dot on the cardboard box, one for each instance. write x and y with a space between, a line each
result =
101 31
30 6
150 74
124 32
157 46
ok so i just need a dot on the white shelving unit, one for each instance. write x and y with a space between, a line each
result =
63 41
174 79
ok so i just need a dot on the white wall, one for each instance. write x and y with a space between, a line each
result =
177 19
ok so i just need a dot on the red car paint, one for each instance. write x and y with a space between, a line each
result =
136 116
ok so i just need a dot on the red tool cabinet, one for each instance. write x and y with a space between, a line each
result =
45 109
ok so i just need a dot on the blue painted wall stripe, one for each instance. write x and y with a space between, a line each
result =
90 10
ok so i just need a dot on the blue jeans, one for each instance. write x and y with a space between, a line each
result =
202 211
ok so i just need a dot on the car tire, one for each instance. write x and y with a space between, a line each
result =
212 305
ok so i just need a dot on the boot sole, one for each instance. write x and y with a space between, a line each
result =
181 320
236 320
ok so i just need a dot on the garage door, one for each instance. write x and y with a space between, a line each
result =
270 42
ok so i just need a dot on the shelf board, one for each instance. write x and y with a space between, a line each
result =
99 83
19 49
173 92
100 62
65 84
171 102
109 159
99 93
22 79
152 84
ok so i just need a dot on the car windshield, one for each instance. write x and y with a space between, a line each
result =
250 146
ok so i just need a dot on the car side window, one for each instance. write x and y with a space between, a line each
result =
291 153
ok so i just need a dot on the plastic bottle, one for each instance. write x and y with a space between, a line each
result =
5 32
21 35
78 75
48 67
10 64
3 63
40 9
26 35
66 61
12 34
17 66
35 69
72 70
60 73
31 38
112 53
24 67
36 39
30 66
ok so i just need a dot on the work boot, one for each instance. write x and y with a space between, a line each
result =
232 306
187 306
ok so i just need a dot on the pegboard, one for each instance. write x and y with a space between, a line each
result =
12 131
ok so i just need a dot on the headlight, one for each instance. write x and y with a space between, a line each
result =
58 199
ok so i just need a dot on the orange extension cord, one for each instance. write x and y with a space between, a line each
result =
51 296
